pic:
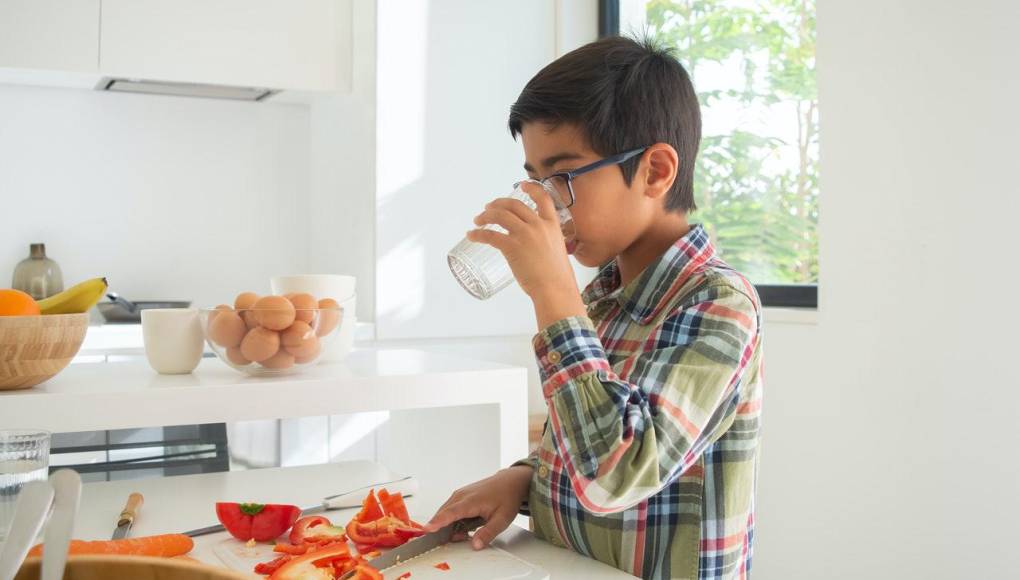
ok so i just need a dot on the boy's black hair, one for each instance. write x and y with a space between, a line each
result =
624 95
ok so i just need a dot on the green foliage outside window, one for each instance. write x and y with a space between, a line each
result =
757 190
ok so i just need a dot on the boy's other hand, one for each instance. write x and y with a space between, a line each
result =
535 249
496 499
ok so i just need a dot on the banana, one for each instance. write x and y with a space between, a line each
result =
78 298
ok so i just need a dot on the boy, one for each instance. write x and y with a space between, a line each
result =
652 376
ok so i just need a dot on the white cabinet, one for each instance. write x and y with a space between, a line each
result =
296 45
282 44
44 35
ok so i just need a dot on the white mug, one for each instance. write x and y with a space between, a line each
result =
173 339
338 287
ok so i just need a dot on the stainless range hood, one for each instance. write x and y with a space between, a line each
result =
147 87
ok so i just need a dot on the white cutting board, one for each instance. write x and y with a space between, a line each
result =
465 562
490 563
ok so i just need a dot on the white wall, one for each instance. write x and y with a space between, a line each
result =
342 187
891 427
167 197
448 71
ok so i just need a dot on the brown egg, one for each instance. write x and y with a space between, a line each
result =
234 355
246 301
212 315
305 360
280 360
300 340
305 305
330 318
260 344
226 328
274 312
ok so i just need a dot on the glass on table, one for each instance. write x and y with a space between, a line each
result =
24 457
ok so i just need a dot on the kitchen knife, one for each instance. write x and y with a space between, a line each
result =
127 516
406 486
420 546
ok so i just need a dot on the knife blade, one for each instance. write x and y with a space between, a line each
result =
420 546
128 515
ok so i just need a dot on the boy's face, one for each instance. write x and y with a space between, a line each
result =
609 215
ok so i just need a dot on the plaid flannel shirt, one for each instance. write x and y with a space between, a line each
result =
649 457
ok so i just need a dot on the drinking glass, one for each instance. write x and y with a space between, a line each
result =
24 457
480 268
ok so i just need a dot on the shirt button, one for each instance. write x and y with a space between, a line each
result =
554 357
543 471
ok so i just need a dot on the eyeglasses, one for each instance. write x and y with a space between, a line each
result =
562 183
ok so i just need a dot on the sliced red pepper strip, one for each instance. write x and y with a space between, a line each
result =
370 509
442 566
268 568
393 505
330 560
366 572
285 548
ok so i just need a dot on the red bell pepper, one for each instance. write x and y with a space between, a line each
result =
268 568
386 532
304 567
256 521
315 529
382 522
285 548
393 505
366 572
370 509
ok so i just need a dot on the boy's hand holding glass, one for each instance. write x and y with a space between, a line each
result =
535 249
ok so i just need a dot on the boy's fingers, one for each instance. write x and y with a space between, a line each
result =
515 206
443 517
438 512
546 207
501 217
489 531
451 514
494 239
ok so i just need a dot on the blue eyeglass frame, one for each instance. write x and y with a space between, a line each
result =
569 176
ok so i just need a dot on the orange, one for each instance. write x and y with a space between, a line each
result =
17 303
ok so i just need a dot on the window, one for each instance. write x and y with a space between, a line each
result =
756 184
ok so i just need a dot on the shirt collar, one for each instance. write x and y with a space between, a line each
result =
647 294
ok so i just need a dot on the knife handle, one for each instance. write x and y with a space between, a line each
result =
467 525
134 503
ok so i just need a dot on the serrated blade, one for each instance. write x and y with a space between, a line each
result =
420 546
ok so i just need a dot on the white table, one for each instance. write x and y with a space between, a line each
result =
176 504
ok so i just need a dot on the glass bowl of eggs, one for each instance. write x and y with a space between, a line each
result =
271 335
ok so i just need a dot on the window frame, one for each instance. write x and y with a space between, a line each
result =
772 295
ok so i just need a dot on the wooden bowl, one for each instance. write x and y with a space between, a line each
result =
132 568
34 348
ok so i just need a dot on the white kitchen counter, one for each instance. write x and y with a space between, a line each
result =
121 395
177 504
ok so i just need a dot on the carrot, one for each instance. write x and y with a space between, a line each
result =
166 545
